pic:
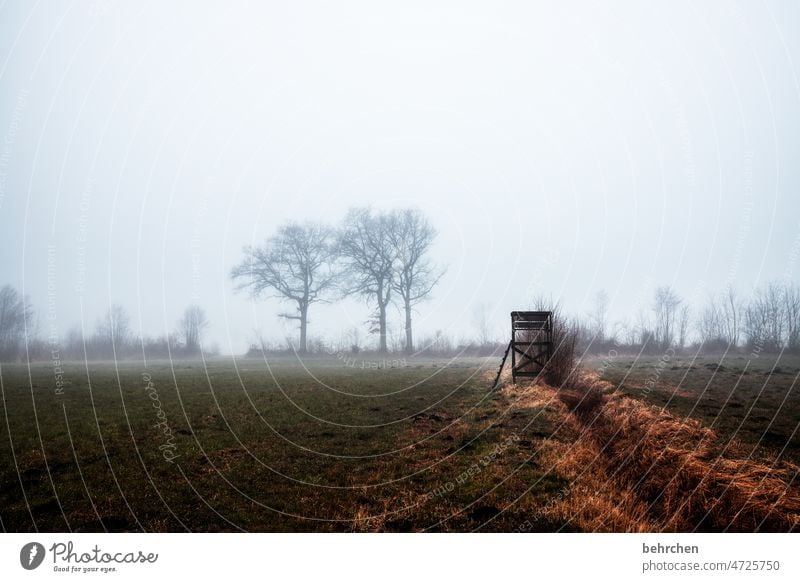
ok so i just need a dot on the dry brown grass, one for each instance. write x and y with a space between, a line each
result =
633 467
689 480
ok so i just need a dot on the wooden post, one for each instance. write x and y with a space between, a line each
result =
513 351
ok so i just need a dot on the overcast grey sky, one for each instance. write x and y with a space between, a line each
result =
558 147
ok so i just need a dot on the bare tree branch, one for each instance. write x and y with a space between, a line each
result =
298 265
367 246
414 275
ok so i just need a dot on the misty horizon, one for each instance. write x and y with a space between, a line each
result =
142 149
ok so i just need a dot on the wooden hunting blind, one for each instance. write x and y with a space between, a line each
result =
531 342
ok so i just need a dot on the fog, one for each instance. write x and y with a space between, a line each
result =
558 148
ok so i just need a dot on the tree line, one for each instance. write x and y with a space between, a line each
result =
111 337
383 258
767 321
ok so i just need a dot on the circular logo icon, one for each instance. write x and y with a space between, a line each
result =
31 555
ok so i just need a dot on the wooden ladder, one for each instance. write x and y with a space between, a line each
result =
503 363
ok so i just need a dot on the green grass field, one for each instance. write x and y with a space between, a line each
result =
755 400
243 445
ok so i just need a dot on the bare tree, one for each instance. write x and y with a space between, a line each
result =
772 317
731 315
720 323
415 276
766 317
710 326
665 306
298 265
367 245
480 317
642 327
355 340
683 326
114 330
599 315
791 300
14 313
73 344
438 344
756 323
192 326
629 332
773 300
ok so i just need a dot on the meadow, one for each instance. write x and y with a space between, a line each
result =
326 444
754 399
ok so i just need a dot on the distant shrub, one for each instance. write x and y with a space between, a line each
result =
563 362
